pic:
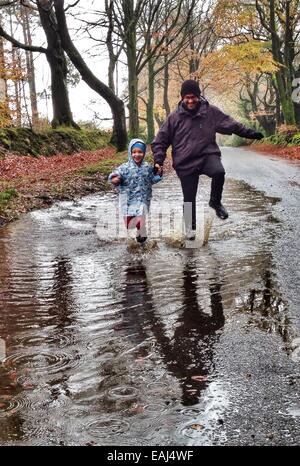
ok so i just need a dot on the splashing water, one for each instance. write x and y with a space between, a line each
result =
208 222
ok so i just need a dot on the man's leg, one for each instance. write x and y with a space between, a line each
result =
189 186
214 169
216 191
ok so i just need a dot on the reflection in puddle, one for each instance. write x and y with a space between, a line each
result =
266 308
101 345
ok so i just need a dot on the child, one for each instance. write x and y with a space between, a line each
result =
134 180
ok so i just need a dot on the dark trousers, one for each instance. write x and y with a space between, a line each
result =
189 184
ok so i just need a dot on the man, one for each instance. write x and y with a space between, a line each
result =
191 130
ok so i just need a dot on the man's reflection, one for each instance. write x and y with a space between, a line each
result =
189 354
63 306
138 302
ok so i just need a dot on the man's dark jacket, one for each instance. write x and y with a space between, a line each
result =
193 136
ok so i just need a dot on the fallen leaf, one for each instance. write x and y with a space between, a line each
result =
6 397
196 427
137 409
13 375
28 386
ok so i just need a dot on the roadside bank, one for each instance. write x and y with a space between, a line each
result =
28 183
288 152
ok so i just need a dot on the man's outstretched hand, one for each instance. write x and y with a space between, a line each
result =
257 135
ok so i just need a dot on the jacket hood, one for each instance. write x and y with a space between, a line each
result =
131 143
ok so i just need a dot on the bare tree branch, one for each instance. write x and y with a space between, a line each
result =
18 44
71 6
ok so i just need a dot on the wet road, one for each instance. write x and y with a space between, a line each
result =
109 345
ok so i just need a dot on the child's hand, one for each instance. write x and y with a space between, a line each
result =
116 180
158 169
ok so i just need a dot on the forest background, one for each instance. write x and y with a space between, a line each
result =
84 74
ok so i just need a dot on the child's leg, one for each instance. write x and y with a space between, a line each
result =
141 226
130 222
140 223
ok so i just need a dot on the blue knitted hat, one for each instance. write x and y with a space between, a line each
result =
140 145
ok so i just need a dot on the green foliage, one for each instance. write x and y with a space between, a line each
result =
106 166
296 140
235 141
283 140
5 196
276 139
26 141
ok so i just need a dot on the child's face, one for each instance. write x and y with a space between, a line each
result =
137 155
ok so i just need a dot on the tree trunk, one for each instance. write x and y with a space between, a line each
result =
166 87
17 96
297 104
150 103
109 43
194 58
265 123
269 126
282 75
62 114
5 117
116 104
30 66
132 90
133 97
289 57
3 86
111 72
112 57
158 120
278 114
130 22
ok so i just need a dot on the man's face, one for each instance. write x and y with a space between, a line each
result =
137 155
191 101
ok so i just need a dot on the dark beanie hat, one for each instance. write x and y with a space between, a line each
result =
190 87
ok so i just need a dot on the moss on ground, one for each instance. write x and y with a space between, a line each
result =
7 195
25 141
105 166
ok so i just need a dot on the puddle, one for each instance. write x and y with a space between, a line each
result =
119 346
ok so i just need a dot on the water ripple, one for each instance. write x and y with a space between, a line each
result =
13 405
104 428
42 362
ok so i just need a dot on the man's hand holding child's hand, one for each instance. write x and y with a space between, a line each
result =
158 169
116 180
